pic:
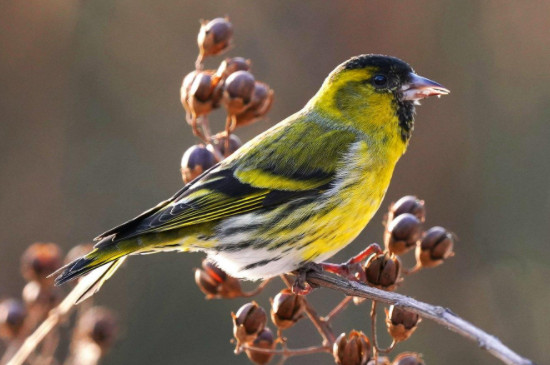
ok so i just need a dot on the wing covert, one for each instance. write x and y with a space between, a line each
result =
290 161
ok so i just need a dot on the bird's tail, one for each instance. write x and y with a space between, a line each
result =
100 263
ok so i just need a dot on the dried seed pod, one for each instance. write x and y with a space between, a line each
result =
12 318
202 86
402 233
185 88
262 99
248 322
203 94
218 145
98 325
214 37
408 358
401 323
264 340
287 309
215 283
231 65
39 261
383 270
435 247
196 160
355 349
408 204
238 91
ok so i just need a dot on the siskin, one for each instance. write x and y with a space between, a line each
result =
296 194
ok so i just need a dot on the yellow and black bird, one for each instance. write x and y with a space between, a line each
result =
297 193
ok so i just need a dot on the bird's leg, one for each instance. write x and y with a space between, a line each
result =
301 286
361 256
351 269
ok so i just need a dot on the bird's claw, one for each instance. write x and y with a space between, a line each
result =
301 286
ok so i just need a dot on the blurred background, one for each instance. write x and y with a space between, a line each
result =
93 132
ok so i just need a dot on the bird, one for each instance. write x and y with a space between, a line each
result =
295 194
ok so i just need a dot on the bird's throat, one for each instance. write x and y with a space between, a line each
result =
405 116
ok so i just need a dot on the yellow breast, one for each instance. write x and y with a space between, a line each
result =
362 182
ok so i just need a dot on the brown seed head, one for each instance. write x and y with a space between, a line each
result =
196 160
408 358
238 91
202 87
12 318
262 99
383 270
402 233
39 261
355 349
408 204
215 283
435 247
287 309
214 37
217 145
401 323
204 93
264 340
98 325
248 322
231 65
185 88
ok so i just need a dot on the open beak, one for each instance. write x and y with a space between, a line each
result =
420 87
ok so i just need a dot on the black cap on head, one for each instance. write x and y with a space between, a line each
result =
385 64
377 60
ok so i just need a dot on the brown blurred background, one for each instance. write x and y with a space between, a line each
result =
92 134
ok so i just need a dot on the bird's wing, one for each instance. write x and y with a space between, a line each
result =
295 159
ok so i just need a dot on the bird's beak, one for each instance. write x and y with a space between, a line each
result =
420 87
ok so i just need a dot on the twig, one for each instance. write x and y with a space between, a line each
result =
388 349
284 346
42 331
55 316
289 352
322 327
48 348
413 270
198 62
256 291
338 309
374 330
438 314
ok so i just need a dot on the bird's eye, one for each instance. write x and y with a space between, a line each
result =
380 80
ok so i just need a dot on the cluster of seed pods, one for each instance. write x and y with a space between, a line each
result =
232 86
92 332
374 266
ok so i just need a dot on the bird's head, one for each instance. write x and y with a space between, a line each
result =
375 94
